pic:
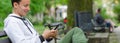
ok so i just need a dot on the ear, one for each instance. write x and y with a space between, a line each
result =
15 4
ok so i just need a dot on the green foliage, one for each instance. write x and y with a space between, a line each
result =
5 8
48 19
1 23
117 11
37 6
64 2
98 3
39 28
104 15
40 6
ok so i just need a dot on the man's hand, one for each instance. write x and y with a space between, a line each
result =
49 33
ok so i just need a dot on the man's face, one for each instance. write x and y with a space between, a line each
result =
22 8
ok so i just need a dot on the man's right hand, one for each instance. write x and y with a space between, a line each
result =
49 33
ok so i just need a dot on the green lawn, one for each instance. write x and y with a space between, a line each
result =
38 28
1 28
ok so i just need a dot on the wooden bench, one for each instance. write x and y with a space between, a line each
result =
98 38
4 40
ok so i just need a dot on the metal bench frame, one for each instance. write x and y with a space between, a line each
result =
5 40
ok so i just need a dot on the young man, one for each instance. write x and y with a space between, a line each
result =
21 30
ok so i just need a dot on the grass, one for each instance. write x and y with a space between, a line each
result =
118 24
38 28
1 28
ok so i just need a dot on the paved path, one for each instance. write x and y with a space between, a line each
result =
117 33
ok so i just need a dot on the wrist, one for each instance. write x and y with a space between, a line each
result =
44 36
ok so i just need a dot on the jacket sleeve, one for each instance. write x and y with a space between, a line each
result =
16 35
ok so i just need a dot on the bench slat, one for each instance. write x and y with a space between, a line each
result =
6 40
2 34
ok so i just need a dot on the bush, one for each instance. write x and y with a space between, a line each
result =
104 15
5 8
117 11
48 19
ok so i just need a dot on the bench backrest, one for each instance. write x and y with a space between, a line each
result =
83 20
5 40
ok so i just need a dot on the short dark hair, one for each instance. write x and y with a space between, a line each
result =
99 10
12 1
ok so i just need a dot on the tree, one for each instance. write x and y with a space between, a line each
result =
77 5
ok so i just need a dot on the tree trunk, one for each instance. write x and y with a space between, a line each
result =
77 5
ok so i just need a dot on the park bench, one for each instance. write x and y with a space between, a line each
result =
99 27
5 38
98 38
83 20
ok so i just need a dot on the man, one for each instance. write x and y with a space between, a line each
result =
19 29
98 18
